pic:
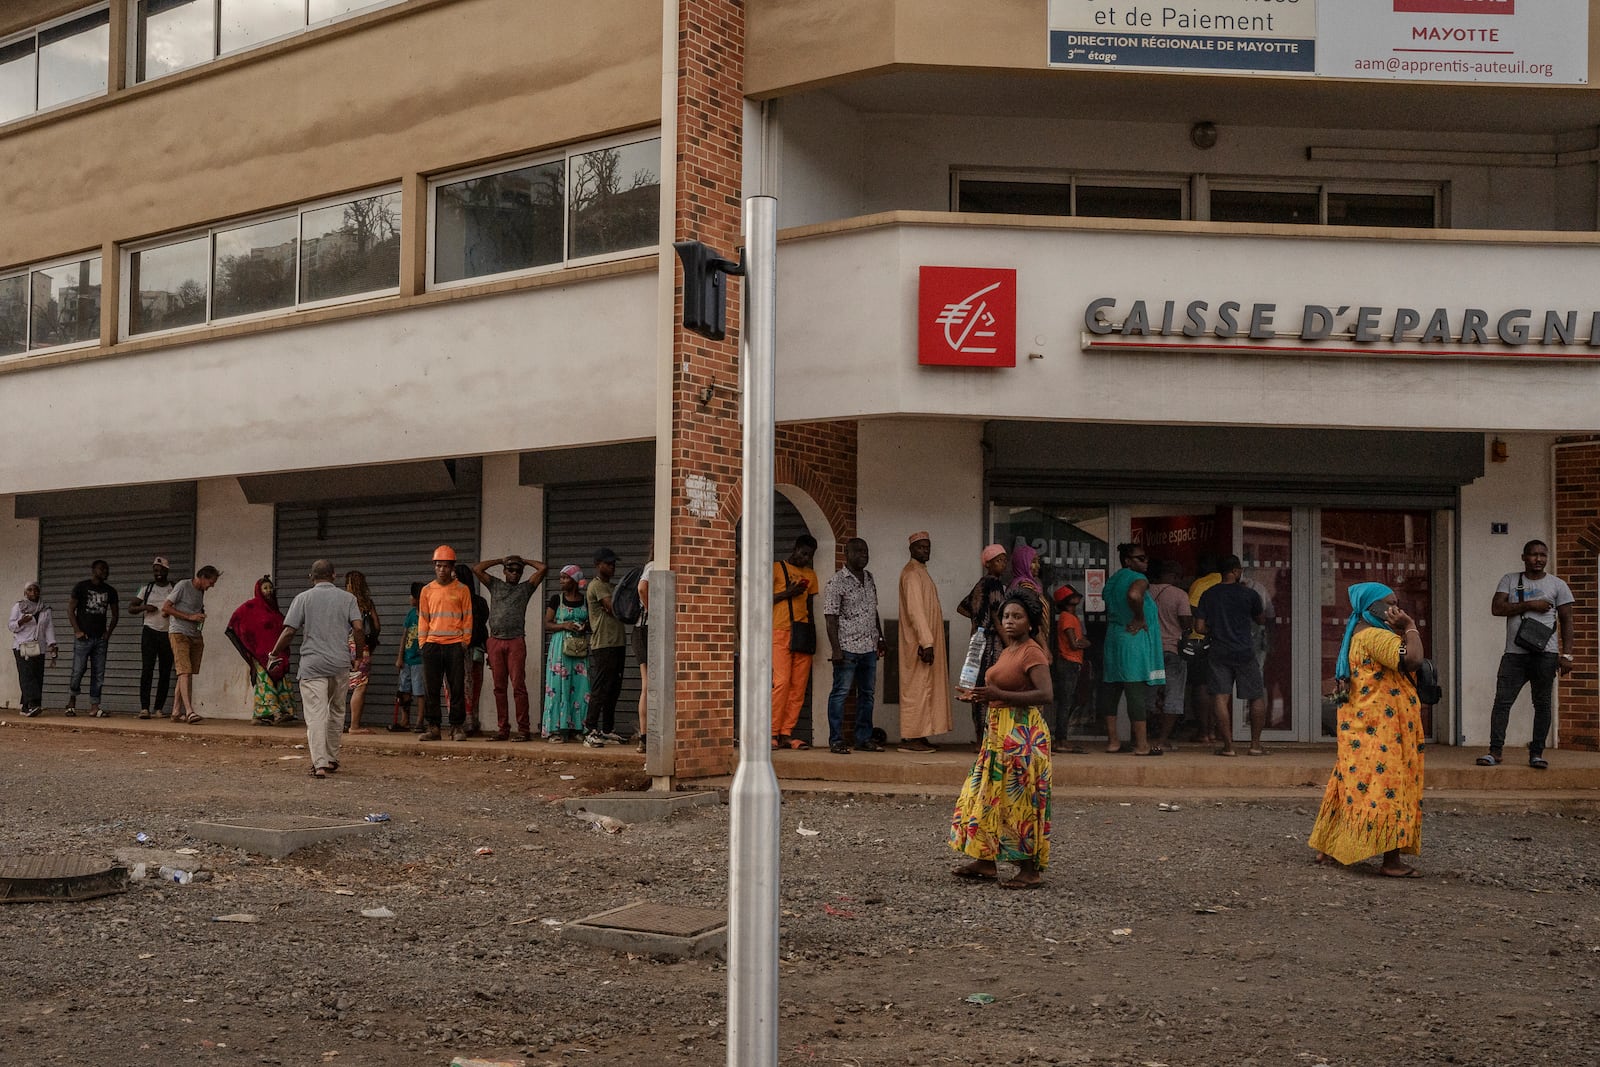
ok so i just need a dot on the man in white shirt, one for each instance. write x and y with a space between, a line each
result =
1529 599
155 649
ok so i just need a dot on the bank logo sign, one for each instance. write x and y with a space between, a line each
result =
1413 40
967 317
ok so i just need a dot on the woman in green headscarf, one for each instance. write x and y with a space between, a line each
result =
1132 662
1373 802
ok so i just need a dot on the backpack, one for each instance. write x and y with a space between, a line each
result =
625 604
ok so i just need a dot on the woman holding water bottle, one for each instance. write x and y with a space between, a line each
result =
982 606
1003 814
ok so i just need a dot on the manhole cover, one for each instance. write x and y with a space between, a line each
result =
660 919
36 878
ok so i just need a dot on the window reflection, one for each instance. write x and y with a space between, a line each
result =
167 286
350 248
16 79
253 268
175 34
322 10
73 59
497 223
65 304
13 315
616 198
245 23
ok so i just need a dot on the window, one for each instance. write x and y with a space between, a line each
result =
55 64
175 34
1100 197
50 306
1292 206
319 254
543 213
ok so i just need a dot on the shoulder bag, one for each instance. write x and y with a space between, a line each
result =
1426 678
30 649
1532 635
802 635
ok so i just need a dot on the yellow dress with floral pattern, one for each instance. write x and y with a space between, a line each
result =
1374 799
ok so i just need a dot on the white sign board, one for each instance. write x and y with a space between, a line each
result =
1538 41
1231 36
1541 41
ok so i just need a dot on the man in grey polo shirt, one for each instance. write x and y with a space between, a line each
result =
325 616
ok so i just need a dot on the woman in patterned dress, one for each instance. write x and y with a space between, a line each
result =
566 678
1003 813
253 629
1373 802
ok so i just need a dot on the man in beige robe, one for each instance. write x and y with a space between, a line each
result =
924 670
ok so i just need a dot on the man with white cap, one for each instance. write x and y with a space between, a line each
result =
924 660
155 649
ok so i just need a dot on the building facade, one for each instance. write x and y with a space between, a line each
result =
346 279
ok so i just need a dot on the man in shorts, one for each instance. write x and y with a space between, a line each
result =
1226 613
186 607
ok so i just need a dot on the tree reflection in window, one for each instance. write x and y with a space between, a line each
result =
500 222
255 268
350 248
616 199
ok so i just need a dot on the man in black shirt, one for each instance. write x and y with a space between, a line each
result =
1225 614
92 609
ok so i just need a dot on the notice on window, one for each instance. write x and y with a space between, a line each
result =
1538 41
1223 36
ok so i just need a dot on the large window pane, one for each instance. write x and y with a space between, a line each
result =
16 79
254 268
1129 202
616 199
1263 205
13 315
73 58
498 223
1381 209
1015 198
66 304
350 248
174 34
167 286
322 10
250 22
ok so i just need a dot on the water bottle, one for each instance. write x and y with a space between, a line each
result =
173 874
974 661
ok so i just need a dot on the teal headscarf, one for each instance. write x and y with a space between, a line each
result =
1363 595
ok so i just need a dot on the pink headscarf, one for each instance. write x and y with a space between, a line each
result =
1022 558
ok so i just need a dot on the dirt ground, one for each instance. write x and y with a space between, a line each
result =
1197 937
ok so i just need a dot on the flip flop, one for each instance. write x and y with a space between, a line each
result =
1410 872
1225 752
318 772
1539 763
1256 752
1015 883
967 874
796 744
1488 761
1152 752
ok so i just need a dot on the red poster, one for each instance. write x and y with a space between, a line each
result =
967 317
1457 7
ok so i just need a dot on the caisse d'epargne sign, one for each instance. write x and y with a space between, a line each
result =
1538 41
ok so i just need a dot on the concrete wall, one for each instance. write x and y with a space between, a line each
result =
236 537
924 474
1516 492
513 523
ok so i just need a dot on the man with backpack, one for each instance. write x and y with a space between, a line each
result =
508 644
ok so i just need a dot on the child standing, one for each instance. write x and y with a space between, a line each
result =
408 661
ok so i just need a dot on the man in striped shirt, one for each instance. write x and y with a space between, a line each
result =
444 630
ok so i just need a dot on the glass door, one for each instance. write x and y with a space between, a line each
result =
1266 548
1392 547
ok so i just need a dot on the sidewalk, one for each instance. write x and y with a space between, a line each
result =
1292 771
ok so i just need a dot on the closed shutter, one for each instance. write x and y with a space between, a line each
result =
392 544
578 519
128 542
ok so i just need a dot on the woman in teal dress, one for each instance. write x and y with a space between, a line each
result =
1133 663
566 677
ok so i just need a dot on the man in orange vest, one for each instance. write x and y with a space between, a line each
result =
444 630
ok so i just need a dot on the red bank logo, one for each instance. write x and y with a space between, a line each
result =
1456 7
967 317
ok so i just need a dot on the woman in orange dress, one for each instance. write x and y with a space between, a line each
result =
1373 803
1003 813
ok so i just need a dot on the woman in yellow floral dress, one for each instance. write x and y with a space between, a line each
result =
1004 810
1373 802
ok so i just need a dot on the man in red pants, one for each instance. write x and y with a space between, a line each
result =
508 645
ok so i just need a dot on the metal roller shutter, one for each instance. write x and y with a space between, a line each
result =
128 542
391 543
581 518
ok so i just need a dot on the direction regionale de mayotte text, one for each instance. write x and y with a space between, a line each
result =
1362 324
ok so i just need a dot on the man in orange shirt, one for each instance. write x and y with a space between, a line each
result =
444 630
794 587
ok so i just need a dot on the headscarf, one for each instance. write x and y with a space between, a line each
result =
1363 595
258 622
991 551
1022 577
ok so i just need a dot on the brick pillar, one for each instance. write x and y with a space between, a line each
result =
706 468
1577 548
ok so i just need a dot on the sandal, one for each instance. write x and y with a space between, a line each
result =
399 727
1539 763
318 772
796 744
193 718
970 873
1491 760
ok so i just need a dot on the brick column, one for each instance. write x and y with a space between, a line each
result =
706 468
1577 548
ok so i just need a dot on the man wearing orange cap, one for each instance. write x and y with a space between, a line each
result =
924 666
444 630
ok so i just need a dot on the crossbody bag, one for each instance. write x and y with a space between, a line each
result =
1532 635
